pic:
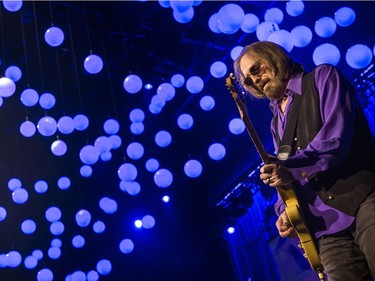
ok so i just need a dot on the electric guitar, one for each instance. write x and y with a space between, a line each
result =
287 194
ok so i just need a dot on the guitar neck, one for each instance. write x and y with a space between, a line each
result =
252 132
286 194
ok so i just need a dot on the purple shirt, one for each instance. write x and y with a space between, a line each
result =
330 145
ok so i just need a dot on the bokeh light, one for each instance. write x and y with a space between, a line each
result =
13 72
20 196
89 154
207 103
83 218
93 64
295 8
63 183
194 84
152 165
59 147
127 172
28 226
27 129
326 53
183 17
177 80
325 27
47 126
216 151
213 23
236 126
265 29
14 183
193 168
104 267
3 213
137 115
137 128
54 36
345 16
301 35
358 56
7 87
274 15
166 91
57 228
108 205
103 144
163 138
53 214
250 23
230 18
163 178
126 246
86 171
47 101
98 227
12 5
65 125
29 97
218 69
132 84
45 274
14 259
78 241
133 188
41 186
185 121
148 222
235 52
81 122
283 38
135 150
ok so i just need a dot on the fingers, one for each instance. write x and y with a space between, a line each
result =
272 181
275 175
267 168
284 227
266 173
289 233
275 182
267 180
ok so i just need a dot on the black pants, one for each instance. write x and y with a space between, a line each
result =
352 257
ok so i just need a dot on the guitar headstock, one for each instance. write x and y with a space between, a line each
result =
235 88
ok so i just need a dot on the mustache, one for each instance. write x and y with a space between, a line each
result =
249 82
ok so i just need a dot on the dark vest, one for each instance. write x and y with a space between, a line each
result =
345 185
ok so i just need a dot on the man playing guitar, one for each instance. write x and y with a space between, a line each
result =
325 167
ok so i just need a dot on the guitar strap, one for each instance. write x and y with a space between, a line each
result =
286 144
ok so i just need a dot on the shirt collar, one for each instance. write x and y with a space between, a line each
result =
294 86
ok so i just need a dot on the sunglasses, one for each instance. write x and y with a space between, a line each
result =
255 69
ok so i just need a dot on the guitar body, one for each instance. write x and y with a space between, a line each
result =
305 240
292 209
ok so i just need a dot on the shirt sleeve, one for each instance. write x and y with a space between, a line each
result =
279 205
332 142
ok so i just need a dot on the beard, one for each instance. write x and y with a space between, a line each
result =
274 89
